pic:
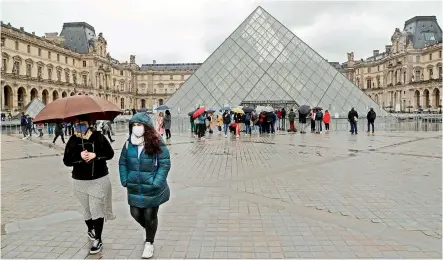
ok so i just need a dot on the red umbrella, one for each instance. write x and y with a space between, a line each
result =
67 109
198 112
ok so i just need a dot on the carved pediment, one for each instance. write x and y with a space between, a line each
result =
84 73
50 66
29 61
59 68
5 55
74 71
439 64
41 64
67 70
430 66
17 58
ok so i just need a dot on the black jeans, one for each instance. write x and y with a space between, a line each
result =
312 125
168 133
371 123
201 128
327 126
147 218
57 135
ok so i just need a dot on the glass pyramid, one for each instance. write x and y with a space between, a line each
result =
263 63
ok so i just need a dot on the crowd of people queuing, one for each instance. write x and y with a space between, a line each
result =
270 121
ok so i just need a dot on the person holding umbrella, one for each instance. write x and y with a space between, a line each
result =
87 152
303 112
226 121
144 165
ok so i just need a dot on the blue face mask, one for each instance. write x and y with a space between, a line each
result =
81 128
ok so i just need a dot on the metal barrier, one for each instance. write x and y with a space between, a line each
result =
410 122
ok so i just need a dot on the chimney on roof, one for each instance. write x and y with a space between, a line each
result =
375 52
154 62
22 29
388 48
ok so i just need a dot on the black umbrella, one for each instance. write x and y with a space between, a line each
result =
304 110
247 109
191 113
317 108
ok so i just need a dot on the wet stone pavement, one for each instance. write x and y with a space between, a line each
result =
274 196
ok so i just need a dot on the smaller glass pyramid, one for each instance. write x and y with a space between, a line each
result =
262 62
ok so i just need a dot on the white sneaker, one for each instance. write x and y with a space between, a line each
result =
226 136
148 252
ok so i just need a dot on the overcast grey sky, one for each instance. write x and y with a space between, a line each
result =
190 30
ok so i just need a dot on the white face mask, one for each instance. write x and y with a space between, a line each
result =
138 130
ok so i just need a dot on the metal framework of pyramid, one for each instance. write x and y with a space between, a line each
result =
262 62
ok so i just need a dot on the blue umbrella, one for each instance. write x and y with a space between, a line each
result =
162 107
211 110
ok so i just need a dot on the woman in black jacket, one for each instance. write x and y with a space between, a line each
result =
87 152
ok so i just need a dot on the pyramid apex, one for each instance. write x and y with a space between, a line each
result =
263 63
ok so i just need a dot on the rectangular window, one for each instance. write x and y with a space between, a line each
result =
73 62
121 73
50 74
85 80
430 56
39 72
431 72
16 45
378 68
439 54
417 75
439 72
66 60
49 55
58 57
84 64
39 52
3 41
369 70
368 83
4 65
28 48
28 70
417 58
171 77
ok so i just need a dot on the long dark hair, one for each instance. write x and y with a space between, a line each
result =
152 141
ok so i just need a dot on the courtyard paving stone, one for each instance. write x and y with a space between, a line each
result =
278 196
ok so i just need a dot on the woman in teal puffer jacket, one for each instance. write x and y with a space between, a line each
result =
144 166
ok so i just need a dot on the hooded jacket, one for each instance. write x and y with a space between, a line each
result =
144 176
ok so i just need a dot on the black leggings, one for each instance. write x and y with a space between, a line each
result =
147 218
168 133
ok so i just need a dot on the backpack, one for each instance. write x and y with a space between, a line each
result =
247 117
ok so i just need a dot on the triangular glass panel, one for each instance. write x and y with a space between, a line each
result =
262 62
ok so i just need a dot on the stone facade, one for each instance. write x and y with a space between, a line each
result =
48 68
405 77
